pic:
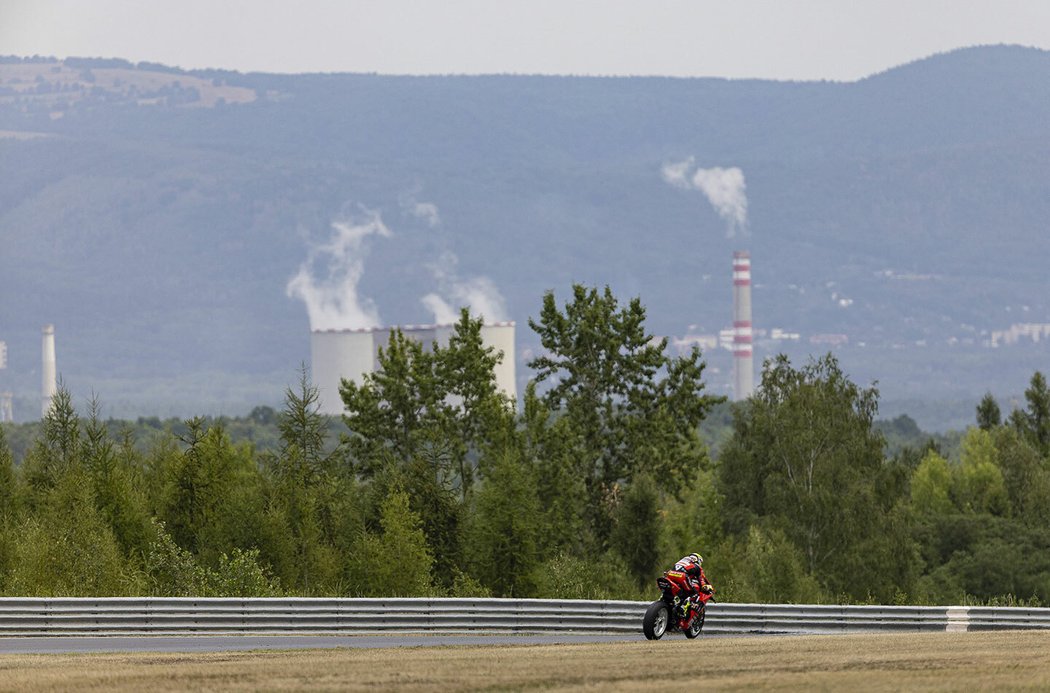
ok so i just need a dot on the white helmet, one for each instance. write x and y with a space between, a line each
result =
696 558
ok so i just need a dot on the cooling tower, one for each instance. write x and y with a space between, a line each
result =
49 369
337 354
743 359
350 354
500 336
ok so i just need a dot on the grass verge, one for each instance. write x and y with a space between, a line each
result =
928 661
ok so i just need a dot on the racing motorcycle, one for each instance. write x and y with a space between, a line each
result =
674 611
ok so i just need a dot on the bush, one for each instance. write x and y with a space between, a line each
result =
569 577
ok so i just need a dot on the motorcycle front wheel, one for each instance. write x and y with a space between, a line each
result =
654 625
697 625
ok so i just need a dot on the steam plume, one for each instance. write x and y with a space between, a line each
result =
677 173
332 300
428 212
413 207
479 294
725 189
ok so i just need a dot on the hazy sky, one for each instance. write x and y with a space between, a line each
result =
778 39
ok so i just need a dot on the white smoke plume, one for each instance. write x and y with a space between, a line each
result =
725 189
327 281
677 173
428 212
479 294
411 206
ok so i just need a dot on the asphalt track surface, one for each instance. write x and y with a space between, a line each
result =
224 643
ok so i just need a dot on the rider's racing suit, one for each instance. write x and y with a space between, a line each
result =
695 577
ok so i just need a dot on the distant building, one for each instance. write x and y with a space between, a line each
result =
832 340
1035 331
780 335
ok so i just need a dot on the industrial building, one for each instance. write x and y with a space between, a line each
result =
351 354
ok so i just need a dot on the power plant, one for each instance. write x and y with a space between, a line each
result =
351 354
50 370
743 359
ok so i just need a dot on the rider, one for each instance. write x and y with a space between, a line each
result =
692 566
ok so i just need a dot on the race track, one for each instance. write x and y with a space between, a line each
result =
221 643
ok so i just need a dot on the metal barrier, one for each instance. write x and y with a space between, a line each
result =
182 616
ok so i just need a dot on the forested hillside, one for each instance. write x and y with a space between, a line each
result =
435 486
156 216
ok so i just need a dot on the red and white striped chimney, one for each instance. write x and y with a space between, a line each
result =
743 359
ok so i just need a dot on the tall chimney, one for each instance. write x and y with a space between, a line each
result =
50 381
743 360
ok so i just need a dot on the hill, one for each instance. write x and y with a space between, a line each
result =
156 216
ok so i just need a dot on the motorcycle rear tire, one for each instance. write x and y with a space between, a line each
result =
657 616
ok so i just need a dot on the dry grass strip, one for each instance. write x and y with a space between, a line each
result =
929 661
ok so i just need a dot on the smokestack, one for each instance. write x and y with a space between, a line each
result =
7 413
743 360
50 381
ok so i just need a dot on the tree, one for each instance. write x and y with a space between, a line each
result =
66 549
9 506
988 414
211 501
636 535
424 421
395 562
430 403
57 452
1026 481
503 535
561 489
804 459
8 481
302 470
931 486
631 408
1034 422
118 492
979 486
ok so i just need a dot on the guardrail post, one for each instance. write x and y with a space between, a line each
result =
958 619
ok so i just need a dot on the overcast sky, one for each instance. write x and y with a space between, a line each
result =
776 39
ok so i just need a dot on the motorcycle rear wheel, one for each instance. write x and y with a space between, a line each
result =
654 625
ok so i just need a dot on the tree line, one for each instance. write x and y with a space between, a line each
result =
436 484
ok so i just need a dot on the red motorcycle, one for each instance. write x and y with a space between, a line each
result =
674 611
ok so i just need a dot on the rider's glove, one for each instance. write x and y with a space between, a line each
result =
707 589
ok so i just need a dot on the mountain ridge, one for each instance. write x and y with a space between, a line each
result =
206 214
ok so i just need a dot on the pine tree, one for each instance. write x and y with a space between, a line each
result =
396 562
504 529
988 414
302 470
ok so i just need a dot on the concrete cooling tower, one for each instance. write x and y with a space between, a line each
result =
350 354
336 354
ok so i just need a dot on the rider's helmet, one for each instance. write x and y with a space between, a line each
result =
696 558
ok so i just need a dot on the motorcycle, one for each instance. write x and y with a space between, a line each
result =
674 611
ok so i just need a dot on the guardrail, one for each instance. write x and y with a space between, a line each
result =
182 616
